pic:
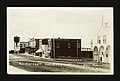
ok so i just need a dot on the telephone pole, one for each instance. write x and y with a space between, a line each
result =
54 48
91 44
77 50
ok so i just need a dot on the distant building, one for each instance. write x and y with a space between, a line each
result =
102 45
38 47
56 48
23 45
34 45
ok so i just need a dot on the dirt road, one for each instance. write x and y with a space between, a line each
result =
13 69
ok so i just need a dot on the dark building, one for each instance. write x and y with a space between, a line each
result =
23 45
65 47
37 44
58 48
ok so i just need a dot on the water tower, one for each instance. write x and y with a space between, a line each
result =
16 41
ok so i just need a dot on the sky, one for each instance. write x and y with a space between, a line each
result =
48 22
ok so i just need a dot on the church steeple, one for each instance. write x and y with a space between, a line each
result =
102 20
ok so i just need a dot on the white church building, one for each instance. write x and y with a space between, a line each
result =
102 43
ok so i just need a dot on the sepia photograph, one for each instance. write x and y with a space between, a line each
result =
60 40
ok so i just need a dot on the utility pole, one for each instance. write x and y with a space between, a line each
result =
77 50
54 47
14 45
91 44
29 34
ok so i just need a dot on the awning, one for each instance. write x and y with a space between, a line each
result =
39 50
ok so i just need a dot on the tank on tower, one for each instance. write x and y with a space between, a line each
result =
16 41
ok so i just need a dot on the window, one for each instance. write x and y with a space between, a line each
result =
21 45
44 41
69 45
102 53
24 45
106 55
104 38
98 40
58 45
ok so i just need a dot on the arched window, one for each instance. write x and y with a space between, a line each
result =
101 51
107 51
95 50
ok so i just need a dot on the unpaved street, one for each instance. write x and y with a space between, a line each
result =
15 60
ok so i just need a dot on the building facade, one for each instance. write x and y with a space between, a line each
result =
23 46
65 48
33 45
56 48
102 45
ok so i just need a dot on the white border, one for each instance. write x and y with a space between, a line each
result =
60 73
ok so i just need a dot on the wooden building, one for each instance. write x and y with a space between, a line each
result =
58 48
65 47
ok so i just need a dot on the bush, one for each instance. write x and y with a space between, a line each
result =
11 51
